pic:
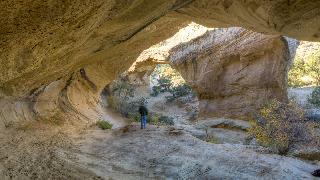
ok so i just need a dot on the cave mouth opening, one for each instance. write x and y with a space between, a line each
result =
161 88
304 78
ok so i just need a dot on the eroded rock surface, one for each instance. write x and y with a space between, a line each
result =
162 153
42 42
234 70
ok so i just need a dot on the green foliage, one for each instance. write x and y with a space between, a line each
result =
169 80
134 117
120 100
153 119
305 71
313 68
180 90
314 98
164 85
122 88
298 70
280 126
129 108
104 125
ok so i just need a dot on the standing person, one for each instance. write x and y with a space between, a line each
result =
143 112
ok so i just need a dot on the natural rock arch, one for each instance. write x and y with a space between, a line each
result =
232 70
45 44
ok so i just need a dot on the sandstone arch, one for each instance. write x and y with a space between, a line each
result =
233 70
45 44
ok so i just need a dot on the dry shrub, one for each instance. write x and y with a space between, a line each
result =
104 125
282 126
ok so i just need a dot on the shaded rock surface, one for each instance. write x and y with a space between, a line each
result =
223 130
160 154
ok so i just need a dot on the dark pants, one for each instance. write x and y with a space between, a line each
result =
143 122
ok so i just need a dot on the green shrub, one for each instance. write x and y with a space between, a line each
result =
134 117
296 73
169 80
305 71
281 126
181 90
104 125
123 88
163 85
121 92
153 119
314 98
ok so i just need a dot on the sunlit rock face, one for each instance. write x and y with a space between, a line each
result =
45 44
293 18
233 70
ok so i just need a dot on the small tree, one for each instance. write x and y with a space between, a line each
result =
313 68
281 126
305 71
296 73
122 88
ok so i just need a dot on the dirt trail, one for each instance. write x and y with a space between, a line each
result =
115 118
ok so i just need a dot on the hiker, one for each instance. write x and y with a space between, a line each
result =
143 112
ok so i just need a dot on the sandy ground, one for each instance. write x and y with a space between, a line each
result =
43 150
50 151
300 95
167 153
32 151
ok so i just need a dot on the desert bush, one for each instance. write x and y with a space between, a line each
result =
305 71
164 85
181 90
313 68
314 97
121 98
281 126
129 108
153 119
296 73
104 125
121 91
123 88
169 80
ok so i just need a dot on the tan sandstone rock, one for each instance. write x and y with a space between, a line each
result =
234 70
45 41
